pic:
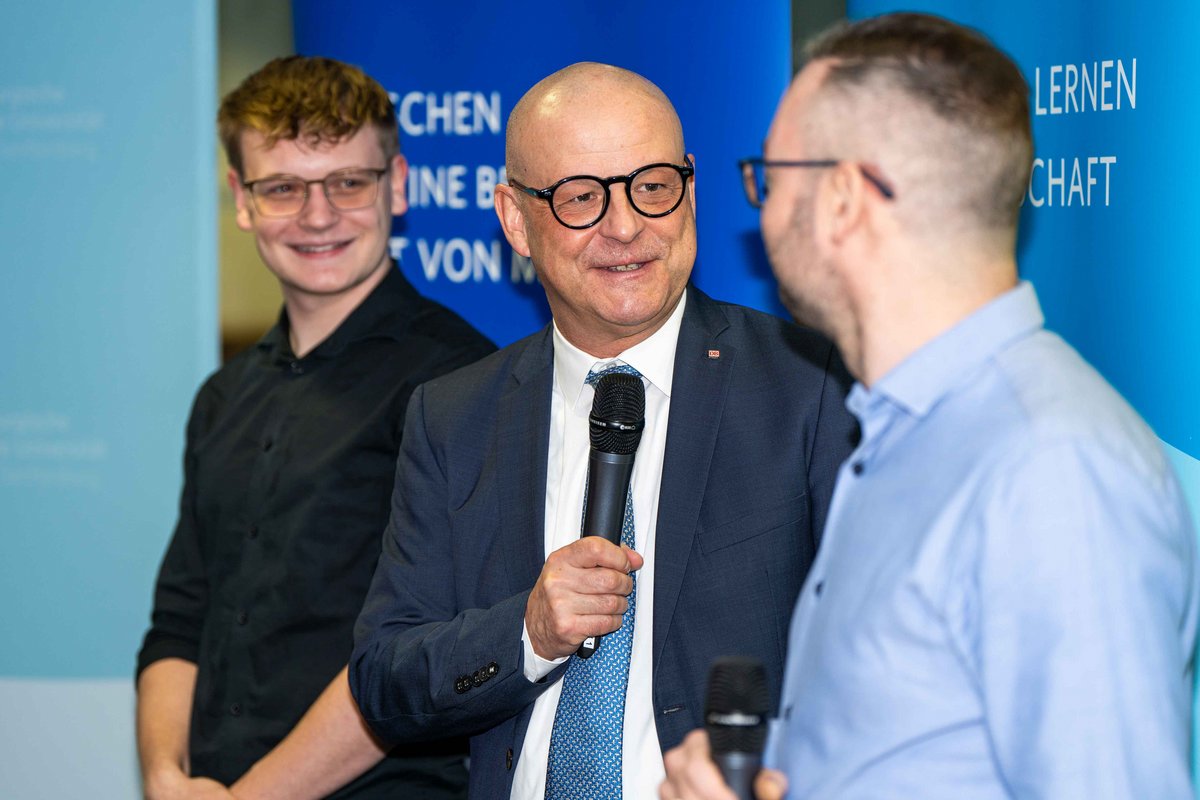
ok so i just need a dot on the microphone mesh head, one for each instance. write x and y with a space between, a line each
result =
736 710
618 414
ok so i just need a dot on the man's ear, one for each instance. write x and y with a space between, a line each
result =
399 185
844 200
692 183
512 218
245 219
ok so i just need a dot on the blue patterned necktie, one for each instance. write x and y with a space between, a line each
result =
586 740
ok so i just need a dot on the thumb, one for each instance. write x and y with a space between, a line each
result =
635 559
770 785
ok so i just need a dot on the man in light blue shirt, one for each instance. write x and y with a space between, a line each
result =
1004 604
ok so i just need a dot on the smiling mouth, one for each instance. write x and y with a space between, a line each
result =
625 267
316 249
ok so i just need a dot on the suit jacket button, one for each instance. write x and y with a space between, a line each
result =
508 759
478 678
462 685
492 669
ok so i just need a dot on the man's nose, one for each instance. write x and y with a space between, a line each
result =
622 221
317 212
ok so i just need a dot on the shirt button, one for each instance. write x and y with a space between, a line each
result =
820 587
242 618
253 532
235 709
858 467
267 445
297 368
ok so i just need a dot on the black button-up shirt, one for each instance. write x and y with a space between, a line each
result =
287 483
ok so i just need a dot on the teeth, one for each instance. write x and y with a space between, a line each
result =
324 248
624 268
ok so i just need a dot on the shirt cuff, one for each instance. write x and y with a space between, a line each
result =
536 667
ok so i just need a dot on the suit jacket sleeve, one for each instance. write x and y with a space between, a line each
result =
425 663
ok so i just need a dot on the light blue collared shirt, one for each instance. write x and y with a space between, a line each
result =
1005 599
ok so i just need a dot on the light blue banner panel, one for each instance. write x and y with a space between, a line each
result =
108 315
456 70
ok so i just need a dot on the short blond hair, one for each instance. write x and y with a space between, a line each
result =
318 100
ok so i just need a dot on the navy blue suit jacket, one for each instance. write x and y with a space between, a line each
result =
754 441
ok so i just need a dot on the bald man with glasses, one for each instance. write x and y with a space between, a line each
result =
485 590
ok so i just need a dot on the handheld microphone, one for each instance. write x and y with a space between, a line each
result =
616 422
735 716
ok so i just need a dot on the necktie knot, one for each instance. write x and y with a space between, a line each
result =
595 375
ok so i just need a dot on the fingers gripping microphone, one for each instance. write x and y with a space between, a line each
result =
735 716
616 422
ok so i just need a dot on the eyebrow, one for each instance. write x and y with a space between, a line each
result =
274 175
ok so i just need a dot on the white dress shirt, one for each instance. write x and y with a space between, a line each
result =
566 472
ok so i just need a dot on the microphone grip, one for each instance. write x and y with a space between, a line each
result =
739 771
607 486
604 508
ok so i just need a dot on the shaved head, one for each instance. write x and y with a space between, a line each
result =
613 282
938 107
935 114
573 92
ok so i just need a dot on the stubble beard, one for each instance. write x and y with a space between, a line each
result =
804 272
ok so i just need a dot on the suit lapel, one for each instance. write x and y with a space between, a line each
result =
522 435
703 366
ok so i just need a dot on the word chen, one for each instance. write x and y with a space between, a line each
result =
450 113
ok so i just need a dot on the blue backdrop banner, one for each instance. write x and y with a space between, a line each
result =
455 71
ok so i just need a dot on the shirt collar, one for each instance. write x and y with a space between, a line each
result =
921 380
654 358
386 311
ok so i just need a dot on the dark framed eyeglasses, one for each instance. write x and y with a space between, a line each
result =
285 195
754 176
580 201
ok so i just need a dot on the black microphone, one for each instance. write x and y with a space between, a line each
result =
735 716
616 422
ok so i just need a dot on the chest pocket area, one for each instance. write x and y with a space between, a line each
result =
791 513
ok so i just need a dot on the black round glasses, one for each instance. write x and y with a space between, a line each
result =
580 201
